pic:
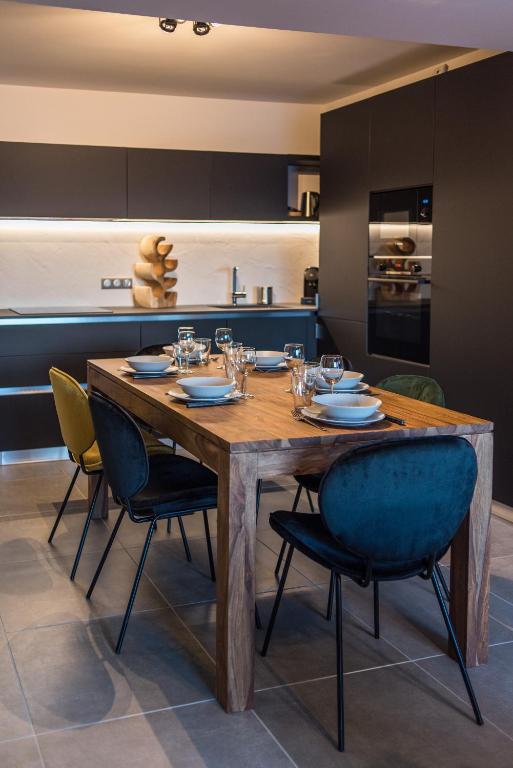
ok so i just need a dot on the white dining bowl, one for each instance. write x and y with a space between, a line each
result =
205 387
149 363
347 406
349 380
268 358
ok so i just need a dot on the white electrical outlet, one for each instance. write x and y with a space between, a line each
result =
108 283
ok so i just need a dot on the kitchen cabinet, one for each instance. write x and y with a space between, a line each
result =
344 212
62 181
168 184
165 332
274 332
402 136
249 187
472 313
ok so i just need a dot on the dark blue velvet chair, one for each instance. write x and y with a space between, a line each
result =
150 488
388 512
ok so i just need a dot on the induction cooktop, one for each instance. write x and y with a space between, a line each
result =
42 311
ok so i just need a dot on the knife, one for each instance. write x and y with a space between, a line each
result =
211 405
395 420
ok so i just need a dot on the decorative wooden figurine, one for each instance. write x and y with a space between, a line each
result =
155 270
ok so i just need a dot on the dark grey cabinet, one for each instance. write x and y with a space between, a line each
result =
402 136
62 181
344 212
274 332
248 187
472 311
168 184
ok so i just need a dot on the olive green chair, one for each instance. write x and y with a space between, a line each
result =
418 387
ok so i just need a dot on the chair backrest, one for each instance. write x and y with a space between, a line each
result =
419 387
72 408
151 349
399 501
124 456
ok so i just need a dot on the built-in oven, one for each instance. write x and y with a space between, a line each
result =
399 280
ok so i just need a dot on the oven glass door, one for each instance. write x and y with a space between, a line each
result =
399 318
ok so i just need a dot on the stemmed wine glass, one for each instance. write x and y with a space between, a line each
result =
222 338
187 345
332 369
294 356
245 361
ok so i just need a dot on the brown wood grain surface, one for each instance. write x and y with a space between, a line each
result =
260 439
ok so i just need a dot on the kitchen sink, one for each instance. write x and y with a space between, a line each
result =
246 306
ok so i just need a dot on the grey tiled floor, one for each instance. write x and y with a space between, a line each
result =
67 701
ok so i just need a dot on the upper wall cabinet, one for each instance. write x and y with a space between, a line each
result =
55 180
168 184
249 187
402 136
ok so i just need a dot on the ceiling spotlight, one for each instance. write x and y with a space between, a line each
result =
201 28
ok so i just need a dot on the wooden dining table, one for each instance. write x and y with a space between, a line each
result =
258 439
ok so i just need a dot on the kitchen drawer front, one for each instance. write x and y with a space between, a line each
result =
32 370
28 421
69 338
167 332
275 332
62 181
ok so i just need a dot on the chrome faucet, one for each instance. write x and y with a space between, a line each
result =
235 293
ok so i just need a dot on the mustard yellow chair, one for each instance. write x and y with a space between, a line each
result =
77 429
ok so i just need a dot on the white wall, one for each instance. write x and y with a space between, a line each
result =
61 263
64 116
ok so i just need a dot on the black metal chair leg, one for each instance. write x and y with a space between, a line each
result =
284 543
184 539
443 582
63 505
340 663
86 528
277 601
258 495
105 553
135 586
258 620
454 641
376 610
169 524
309 495
329 609
209 546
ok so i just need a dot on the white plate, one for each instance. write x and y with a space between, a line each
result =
265 368
156 374
177 394
358 390
312 413
147 363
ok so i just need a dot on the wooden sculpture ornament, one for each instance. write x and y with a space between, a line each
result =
155 272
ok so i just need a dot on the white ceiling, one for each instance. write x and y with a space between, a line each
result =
472 23
66 48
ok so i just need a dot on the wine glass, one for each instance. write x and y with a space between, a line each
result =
245 361
223 337
187 345
294 356
332 369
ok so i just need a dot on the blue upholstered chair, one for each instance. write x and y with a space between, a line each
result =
149 488
388 512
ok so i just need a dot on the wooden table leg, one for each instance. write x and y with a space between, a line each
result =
236 539
470 562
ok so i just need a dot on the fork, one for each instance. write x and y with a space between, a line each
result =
298 416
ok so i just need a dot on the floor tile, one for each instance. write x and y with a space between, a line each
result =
71 675
202 736
303 643
501 577
35 495
26 538
397 717
39 592
493 684
14 718
20 754
501 537
181 582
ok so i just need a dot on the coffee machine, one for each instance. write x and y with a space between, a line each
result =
310 285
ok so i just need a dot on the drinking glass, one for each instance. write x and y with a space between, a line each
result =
245 361
222 337
294 356
303 384
332 369
186 345
203 350
230 353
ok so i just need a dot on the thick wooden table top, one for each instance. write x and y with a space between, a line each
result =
265 422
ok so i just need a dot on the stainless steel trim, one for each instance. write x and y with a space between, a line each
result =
391 279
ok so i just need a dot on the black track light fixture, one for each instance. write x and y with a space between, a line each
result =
200 28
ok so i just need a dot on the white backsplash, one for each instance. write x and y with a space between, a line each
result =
60 263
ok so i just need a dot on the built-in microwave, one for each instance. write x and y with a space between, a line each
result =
402 206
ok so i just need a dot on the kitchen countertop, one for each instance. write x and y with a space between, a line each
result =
173 313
